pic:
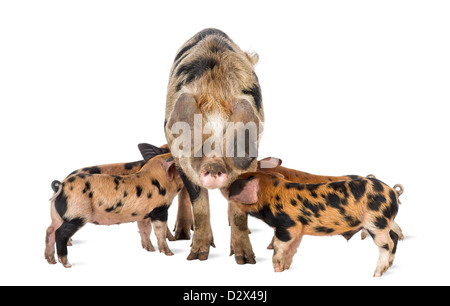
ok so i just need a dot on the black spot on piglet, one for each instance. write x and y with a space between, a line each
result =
138 191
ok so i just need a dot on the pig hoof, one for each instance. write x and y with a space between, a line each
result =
279 268
64 262
164 248
50 259
379 271
239 259
149 248
167 252
198 255
182 234
243 256
203 255
182 230
247 259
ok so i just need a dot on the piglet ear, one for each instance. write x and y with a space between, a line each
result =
269 162
244 191
149 151
170 169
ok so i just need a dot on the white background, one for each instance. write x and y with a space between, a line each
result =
349 87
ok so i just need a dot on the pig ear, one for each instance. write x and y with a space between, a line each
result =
244 191
183 111
149 151
246 125
269 162
169 167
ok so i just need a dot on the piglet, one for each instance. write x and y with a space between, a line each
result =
104 199
272 165
334 208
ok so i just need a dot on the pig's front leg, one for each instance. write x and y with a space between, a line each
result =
203 237
240 241
160 228
145 228
284 251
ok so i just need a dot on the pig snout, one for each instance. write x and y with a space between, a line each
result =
213 175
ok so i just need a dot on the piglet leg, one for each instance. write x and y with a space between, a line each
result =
160 228
50 235
284 252
62 236
396 228
145 228
386 248
50 241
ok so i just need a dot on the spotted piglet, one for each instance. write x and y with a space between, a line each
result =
333 208
273 166
105 199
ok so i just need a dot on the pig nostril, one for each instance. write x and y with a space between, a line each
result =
219 173
207 173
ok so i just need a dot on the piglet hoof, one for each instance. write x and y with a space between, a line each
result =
167 252
379 271
278 267
50 259
148 246
69 243
65 262
164 248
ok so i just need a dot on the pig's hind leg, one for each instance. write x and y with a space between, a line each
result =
386 241
50 242
62 236
50 235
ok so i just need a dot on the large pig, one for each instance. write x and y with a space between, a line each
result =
212 84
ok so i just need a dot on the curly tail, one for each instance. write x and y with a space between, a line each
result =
57 188
399 189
